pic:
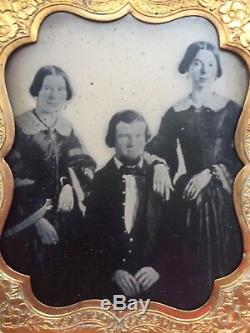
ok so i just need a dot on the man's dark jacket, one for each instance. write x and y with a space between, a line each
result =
112 246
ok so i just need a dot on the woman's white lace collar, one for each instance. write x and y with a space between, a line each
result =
213 102
30 125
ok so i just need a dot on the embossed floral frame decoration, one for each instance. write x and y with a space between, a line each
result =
228 309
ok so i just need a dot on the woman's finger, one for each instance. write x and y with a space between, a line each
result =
170 185
55 235
187 187
196 193
59 206
62 204
47 239
187 190
65 205
43 240
157 187
192 190
51 239
161 189
167 194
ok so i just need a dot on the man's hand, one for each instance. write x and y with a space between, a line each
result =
197 184
46 232
146 277
66 199
126 282
162 183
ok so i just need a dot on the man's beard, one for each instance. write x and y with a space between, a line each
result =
129 161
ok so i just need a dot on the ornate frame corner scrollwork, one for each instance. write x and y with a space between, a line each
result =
228 309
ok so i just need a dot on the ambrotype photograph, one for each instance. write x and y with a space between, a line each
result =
124 161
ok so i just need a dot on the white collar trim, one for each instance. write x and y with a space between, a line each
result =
30 125
213 102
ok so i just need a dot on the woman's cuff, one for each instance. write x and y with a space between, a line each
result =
213 172
221 173
154 159
64 181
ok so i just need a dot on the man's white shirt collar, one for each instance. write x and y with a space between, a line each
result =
119 164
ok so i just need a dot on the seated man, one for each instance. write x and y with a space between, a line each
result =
124 213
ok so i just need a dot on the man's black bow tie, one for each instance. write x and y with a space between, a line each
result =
132 170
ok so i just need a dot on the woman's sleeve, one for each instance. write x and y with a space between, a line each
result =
164 144
76 158
77 154
15 157
231 159
26 198
230 164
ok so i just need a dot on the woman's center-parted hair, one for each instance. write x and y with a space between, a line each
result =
192 51
44 71
126 116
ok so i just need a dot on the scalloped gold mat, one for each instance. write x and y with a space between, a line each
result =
228 309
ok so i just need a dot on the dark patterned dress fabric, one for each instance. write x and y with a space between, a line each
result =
41 159
202 238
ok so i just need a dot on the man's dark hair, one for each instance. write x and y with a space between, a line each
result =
127 116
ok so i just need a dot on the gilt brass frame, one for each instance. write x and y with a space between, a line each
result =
228 309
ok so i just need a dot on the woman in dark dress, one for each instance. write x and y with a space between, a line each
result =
48 162
203 239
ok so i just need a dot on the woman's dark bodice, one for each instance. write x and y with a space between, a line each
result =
205 136
44 156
